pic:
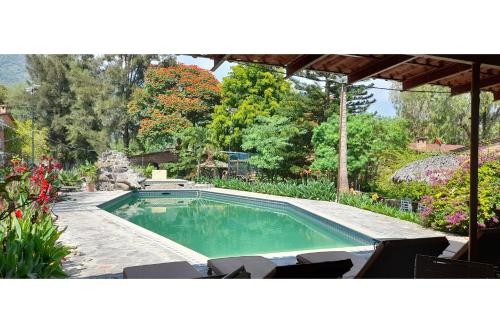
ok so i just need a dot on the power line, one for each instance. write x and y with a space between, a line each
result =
271 69
70 147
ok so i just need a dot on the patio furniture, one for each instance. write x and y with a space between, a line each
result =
257 266
169 270
322 270
427 267
488 247
406 205
177 270
66 189
393 258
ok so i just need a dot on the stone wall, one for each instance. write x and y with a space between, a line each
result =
155 158
115 173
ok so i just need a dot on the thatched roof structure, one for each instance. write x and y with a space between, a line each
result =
440 166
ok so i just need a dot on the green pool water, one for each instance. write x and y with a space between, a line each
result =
217 227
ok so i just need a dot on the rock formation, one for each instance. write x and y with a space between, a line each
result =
115 173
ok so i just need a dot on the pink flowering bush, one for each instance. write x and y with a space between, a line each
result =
447 208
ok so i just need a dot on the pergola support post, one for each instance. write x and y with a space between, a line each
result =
342 181
474 158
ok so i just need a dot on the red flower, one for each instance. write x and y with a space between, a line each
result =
18 213
21 169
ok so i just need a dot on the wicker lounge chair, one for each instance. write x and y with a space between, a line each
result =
257 266
177 270
263 268
488 247
169 270
322 270
391 258
427 267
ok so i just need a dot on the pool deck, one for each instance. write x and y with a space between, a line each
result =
103 244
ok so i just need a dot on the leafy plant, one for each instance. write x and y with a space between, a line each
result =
89 172
29 246
316 190
31 250
70 177
147 171
365 201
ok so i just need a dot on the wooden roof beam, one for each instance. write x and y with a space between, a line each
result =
302 62
496 96
378 66
219 60
485 59
435 75
484 83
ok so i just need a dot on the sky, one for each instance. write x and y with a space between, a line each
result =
382 105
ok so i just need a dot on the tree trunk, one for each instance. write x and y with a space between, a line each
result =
326 105
342 181
126 136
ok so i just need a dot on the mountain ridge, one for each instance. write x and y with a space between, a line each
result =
13 69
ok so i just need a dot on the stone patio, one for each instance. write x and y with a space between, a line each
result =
104 244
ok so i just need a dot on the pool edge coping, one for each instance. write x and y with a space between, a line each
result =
194 257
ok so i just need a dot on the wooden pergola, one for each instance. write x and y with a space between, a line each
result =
462 73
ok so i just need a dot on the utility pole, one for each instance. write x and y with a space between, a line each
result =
31 90
342 181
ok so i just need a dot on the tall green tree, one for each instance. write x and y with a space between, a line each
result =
332 96
70 100
271 141
23 143
434 113
370 136
322 95
124 73
84 123
53 98
249 91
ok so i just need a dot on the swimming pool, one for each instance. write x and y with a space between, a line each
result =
221 225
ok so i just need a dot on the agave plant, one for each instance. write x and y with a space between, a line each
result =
70 178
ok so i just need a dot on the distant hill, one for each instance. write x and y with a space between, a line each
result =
13 69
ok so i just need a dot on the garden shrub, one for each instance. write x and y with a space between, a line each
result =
29 246
89 171
70 177
147 171
448 207
31 250
316 190
389 164
364 201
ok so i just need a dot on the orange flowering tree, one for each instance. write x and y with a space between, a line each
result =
173 99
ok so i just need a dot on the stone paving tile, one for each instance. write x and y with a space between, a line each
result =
103 246
375 225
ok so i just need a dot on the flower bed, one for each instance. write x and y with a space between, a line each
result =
29 246
447 208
